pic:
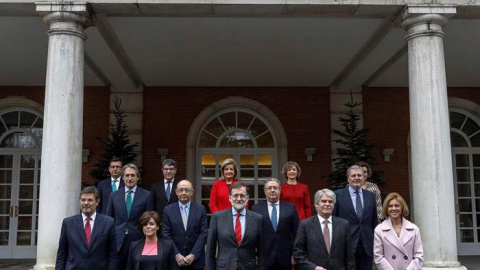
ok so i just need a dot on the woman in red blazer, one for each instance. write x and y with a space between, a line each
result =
221 188
295 192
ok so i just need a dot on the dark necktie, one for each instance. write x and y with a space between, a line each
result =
128 202
326 235
169 182
88 230
358 203
238 229
274 216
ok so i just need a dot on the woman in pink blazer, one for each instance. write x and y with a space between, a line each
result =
397 244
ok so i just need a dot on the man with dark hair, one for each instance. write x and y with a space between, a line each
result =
236 234
126 206
87 240
163 192
111 184
280 224
358 207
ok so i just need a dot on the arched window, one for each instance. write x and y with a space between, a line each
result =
21 131
465 140
238 128
244 136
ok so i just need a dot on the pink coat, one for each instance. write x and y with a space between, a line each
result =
395 253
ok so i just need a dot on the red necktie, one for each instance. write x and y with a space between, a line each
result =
238 229
88 230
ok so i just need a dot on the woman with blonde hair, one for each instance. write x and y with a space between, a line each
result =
219 199
397 243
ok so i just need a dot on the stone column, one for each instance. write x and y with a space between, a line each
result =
432 176
60 180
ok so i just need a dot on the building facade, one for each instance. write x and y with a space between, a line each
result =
263 82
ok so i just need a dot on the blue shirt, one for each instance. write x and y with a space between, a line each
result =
187 209
242 219
134 189
353 195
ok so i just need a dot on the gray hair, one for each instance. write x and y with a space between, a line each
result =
90 190
131 166
325 191
271 179
353 167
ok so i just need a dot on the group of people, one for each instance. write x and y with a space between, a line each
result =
123 226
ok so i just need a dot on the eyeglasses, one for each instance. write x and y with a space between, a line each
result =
186 190
271 188
169 169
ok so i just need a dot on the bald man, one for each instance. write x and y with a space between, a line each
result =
185 222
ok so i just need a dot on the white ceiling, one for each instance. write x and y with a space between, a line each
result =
184 50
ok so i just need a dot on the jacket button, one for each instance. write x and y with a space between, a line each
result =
405 257
394 257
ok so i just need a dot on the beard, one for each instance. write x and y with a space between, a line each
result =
239 206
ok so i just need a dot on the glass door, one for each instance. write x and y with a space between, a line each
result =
467 197
19 190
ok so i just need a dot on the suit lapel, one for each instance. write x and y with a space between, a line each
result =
81 229
136 198
283 213
178 215
318 231
392 237
191 213
97 226
264 213
348 201
228 220
335 232
122 203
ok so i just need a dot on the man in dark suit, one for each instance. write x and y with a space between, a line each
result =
111 184
280 224
185 223
358 207
87 240
126 205
323 242
163 192
236 234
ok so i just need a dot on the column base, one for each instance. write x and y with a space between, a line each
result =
43 267
442 268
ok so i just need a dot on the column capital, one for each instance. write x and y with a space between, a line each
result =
426 20
73 17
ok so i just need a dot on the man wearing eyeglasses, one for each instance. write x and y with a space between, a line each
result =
163 192
185 223
280 224
237 235
111 184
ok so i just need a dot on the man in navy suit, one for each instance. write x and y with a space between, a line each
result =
358 207
126 205
280 224
87 240
163 192
185 223
107 186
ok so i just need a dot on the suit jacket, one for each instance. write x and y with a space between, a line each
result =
393 252
221 236
192 240
104 188
117 209
160 197
73 251
359 228
310 250
278 245
165 250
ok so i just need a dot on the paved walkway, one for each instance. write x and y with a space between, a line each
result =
470 262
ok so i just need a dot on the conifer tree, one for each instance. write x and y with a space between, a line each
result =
353 147
116 145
